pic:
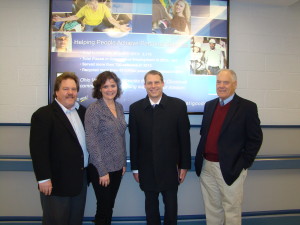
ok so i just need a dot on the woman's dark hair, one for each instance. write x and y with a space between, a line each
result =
100 81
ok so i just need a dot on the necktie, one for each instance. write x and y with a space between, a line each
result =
153 106
221 103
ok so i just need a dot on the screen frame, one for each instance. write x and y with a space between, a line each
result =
50 77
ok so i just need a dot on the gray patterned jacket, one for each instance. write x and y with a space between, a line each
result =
105 137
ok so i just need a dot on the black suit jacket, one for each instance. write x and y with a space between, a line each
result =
240 137
159 142
55 150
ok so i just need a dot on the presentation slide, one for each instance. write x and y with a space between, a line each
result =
187 41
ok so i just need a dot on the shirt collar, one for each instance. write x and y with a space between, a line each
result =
227 100
152 103
75 106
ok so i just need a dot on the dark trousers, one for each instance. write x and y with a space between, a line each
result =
214 70
62 210
152 207
105 195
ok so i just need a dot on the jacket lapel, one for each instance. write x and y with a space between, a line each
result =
81 114
103 108
234 105
211 111
146 103
59 113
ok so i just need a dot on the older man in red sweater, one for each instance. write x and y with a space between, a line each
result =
231 137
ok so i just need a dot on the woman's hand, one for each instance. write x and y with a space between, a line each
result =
124 170
104 181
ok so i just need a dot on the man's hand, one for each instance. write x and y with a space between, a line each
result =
136 177
182 174
46 187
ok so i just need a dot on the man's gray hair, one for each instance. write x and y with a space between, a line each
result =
232 73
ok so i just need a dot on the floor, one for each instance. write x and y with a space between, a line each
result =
259 220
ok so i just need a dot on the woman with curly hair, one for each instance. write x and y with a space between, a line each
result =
181 17
179 21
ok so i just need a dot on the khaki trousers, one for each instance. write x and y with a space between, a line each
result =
223 203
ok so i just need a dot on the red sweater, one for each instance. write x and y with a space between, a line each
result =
211 147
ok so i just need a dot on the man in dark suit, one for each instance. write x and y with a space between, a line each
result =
231 137
59 155
159 147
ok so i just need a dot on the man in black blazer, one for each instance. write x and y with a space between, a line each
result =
59 155
231 137
159 147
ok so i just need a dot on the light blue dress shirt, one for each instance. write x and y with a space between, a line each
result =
78 128
227 100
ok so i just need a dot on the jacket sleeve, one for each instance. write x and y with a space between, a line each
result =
40 144
184 139
134 137
254 136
